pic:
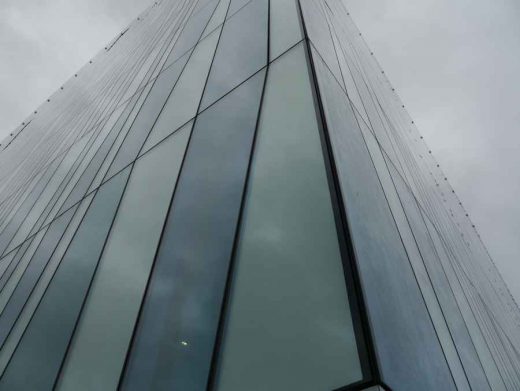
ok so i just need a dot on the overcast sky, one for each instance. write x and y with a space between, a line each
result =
456 66
454 63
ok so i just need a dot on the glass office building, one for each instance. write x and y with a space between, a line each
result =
230 196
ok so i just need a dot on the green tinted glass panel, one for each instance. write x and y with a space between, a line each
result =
285 30
100 343
289 325
25 315
44 343
184 100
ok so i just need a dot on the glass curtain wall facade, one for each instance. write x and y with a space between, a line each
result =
230 196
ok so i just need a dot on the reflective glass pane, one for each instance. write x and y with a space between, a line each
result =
44 343
47 194
32 273
5 261
174 340
82 185
437 313
14 262
401 325
237 4
289 325
284 27
242 51
80 147
193 29
459 331
101 340
493 372
25 316
90 152
114 149
184 100
10 230
319 32
147 115
20 268
11 204
218 17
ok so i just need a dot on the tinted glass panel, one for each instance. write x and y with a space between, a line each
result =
465 347
183 102
237 4
147 116
494 375
192 31
114 149
174 340
90 151
78 148
77 169
20 268
284 27
32 273
416 260
15 260
319 32
24 209
400 321
47 194
242 51
44 343
25 316
218 17
289 325
100 342
90 172
5 262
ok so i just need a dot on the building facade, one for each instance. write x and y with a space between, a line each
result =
230 196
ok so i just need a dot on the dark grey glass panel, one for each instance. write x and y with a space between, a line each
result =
192 31
241 52
289 325
32 273
37 359
175 336
410 355
24 209
147 116
459 331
